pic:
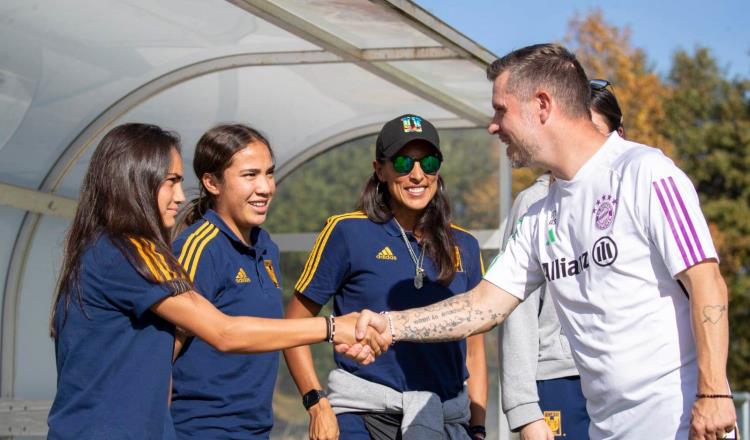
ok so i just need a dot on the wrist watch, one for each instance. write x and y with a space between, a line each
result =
312 397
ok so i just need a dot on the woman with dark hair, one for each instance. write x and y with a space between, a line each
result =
541 387
399 250
121 293
605 111
234 264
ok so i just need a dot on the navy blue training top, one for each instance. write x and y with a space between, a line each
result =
221 395
114 358
363 264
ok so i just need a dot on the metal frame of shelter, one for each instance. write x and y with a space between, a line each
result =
21 417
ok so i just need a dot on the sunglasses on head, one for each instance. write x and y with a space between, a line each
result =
599 84
403 164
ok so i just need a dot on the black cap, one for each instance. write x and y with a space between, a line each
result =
400 131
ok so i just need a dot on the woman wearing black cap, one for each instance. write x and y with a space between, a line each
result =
398 250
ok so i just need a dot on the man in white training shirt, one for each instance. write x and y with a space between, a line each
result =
626 254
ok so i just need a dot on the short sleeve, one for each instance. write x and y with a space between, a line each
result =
516 268
327 265
669 208
122 286
205 273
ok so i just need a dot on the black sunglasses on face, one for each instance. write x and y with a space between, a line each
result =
403 164
599 84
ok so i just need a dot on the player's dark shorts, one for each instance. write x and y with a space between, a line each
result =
564 407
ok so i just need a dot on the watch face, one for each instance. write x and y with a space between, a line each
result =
312 397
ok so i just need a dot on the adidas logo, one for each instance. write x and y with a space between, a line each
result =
386 254
241 277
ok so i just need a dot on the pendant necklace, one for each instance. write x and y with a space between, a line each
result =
419 274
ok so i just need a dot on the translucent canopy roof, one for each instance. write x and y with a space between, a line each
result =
309 74
302 72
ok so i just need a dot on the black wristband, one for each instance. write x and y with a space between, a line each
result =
714 396
328 328
478 429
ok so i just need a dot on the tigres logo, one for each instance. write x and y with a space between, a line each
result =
554 421
271 272
459 262
241 277
386 254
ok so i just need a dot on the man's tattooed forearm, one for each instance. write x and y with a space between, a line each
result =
713 314
449 320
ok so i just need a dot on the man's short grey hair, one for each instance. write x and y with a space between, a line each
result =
549 66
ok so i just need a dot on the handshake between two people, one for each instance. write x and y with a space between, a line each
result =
362 336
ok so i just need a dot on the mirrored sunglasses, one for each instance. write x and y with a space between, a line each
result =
430 164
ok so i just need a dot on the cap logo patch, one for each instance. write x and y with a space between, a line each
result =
412 124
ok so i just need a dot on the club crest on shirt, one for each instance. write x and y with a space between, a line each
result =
271 272
552 218
241 277
459 262
604 211
554 421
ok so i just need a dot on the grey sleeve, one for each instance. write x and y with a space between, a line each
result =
519 348
519 340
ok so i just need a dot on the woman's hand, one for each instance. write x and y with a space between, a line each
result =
363 350
323 423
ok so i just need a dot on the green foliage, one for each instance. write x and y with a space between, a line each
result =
702 120
329 184
605 51
708 121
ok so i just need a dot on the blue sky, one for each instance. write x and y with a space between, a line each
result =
659 27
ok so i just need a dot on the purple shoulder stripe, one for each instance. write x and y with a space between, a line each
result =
688 219
680 223
671 223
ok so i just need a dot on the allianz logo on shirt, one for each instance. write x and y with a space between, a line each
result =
241 277
386 254
604 253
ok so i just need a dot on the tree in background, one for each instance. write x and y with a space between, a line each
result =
708 121
702 120
605 52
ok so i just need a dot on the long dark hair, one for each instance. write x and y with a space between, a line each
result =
604 102
119 199
434 224
213 155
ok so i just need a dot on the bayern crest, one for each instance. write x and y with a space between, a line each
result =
604 211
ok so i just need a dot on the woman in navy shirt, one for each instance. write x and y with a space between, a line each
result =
398 251
235 265
121 292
